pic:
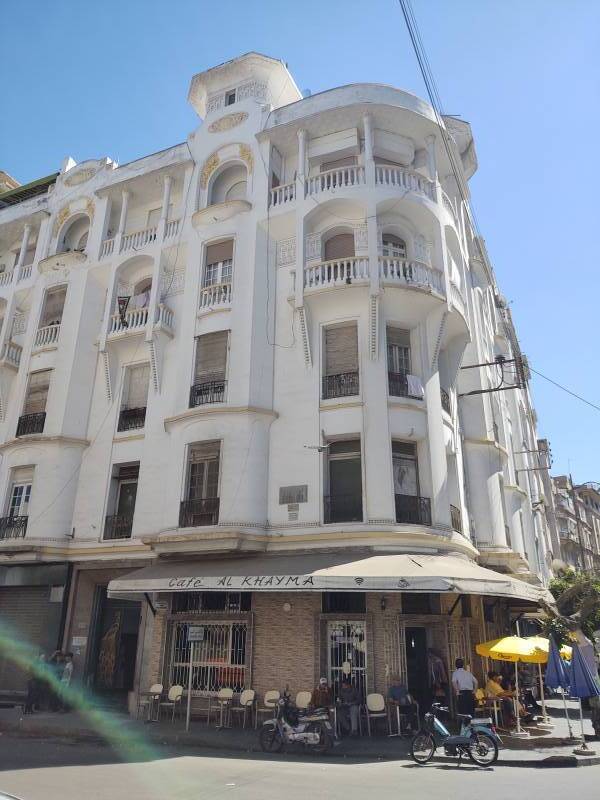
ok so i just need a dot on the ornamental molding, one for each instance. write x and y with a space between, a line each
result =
312 247
61 218
78 176
227 122
246 155
361 238
172 283
286 252
210 165
19 323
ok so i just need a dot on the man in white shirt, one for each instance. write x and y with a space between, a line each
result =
464 684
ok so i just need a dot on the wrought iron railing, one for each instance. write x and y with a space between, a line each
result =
398 386
13 527
131 418
204 511
31 423
346 384
207 392
456 518
445 401
413 509
118 526
342 508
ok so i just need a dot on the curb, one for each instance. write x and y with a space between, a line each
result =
87 736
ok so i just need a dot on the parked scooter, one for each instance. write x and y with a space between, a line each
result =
313 730
477 739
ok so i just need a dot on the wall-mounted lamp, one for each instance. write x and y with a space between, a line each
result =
287 607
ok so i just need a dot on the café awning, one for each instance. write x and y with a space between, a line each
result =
318 572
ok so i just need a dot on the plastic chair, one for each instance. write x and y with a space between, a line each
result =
303 700
173 700
376 708
147 699
224 698
247 701
270 700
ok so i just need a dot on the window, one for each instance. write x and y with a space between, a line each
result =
228 184
135 397
339 247
118 525
416 603
411 508
20 492
218 264
54 303
201 503
400 382
341 361
347 648
34 410
210 369
344 602
154 216
393 246
203 602
230 98
218 660
343 502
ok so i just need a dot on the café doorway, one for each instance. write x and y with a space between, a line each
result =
417 676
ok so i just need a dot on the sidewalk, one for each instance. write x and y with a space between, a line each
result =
542 749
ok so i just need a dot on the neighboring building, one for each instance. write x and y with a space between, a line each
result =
577 510
236 363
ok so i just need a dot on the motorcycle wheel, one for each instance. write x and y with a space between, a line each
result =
325 738
422 747
270 739
483 749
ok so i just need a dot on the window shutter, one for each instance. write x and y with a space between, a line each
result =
219 252
37 392
211 357
136 395
349 161
340 246
341 350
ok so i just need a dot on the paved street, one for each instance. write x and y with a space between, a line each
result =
36 770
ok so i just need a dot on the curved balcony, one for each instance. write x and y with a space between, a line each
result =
216 297
411 274
337 273
138 239
135 320
332 179
282 195
413 510
46 337
404 179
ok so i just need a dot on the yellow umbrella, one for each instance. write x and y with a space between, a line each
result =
544 644
514 649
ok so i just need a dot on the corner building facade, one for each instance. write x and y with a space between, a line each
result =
231 395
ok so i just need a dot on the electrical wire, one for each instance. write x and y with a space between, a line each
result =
565 389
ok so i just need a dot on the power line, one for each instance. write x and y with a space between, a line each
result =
564 388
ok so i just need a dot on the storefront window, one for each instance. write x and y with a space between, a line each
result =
203 602
347 651
218 660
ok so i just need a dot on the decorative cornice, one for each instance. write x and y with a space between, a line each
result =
216 410
246 155
209 166
42 438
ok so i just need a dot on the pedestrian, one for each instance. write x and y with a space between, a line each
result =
464 684
55 665
65 681
35 686
398 695
349 702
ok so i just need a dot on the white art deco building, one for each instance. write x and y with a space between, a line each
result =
231 390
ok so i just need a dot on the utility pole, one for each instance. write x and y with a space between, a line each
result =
578 521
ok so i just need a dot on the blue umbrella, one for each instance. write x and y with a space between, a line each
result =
583 683
556 676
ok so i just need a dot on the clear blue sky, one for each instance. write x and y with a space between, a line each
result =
90 79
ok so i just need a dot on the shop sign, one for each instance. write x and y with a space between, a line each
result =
195 633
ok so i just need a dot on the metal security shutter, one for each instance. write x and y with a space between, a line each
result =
37 392
340 246
219 252
211 357
25 610
136 395
341 349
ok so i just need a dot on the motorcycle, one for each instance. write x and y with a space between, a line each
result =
477 739
313 729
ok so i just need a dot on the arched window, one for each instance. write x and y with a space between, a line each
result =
230 184
393 246
339 246
75 235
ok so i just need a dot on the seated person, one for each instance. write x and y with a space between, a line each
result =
349 702
321 696
398 695
493 689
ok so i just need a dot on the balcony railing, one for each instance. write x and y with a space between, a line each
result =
138 239
280 195
346 384
172 228
404 179
400 271
13 527
11 354
340 178
47 336
215 296
31 423
131 419
401 384
445 397
107 248
134 320
193 513
6 278
412 509
342 508
118 526
207 392
456 518
25 272
339 272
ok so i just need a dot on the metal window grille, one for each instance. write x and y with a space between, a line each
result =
219 660
347 654
394 649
